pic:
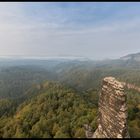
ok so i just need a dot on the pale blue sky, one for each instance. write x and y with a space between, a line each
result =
88 29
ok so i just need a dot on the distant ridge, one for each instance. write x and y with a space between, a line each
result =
44 57
134 56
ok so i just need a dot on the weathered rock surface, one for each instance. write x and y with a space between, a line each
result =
88 131
112 117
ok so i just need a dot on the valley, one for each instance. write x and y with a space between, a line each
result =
55 98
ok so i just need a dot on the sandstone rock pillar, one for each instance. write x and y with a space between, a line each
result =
112 117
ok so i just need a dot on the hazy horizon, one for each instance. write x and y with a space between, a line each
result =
94 30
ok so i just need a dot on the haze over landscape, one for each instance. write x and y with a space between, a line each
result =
69 70
80 29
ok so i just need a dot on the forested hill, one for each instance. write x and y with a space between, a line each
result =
18 76
56 111
16 80
23 90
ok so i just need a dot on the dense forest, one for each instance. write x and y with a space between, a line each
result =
55 98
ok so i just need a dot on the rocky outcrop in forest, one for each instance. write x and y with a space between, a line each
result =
112 117
132 86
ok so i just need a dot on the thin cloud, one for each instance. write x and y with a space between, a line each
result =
92 30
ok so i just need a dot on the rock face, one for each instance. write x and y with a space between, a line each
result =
88 131
112 117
